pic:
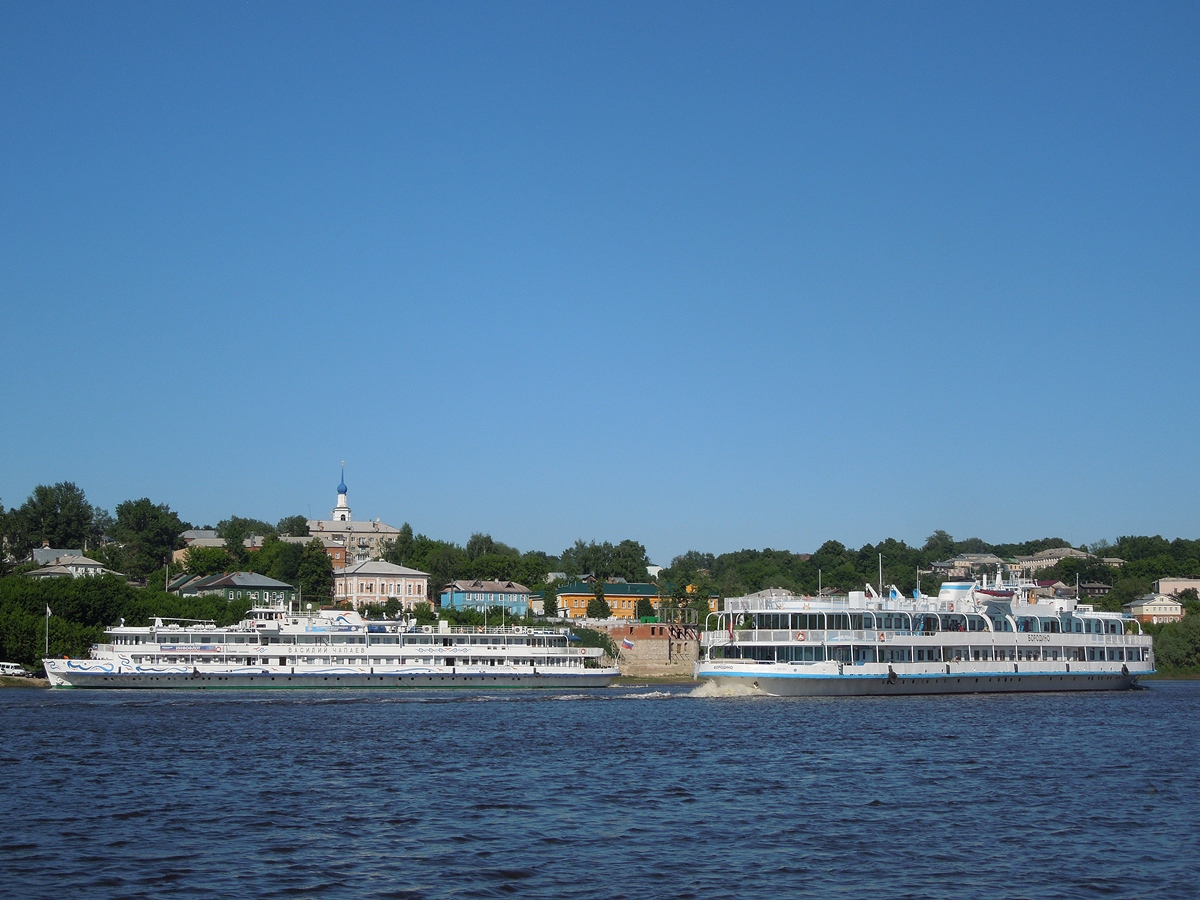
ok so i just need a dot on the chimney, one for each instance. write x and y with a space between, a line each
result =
45 545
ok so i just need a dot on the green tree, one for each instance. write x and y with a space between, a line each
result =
293 526
401 547
235 530
645 609
939 546
314 575
56 514
598 607
247 526
205 560
1190 600
629 561
147 533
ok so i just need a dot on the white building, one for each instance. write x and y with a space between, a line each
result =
377 581
72 567
1155 609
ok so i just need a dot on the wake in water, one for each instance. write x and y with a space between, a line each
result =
712 689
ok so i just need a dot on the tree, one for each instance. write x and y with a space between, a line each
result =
1190 600
59 515
205 560
235 531
249 526
293 526
147 532
939 546
645 609
598 608
314 575
278 559
403 543
629 561
102 524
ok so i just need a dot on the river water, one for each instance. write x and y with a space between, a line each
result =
624 792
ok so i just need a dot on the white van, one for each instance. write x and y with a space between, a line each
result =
13 670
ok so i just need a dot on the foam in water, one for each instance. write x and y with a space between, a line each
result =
712 689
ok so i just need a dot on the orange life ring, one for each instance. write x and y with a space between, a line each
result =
881 636
951 606
801 636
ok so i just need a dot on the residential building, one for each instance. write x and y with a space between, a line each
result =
481 595
193 534
1155 609
967 564
239 586
1044 559
46 555
1173 586
71 566
360 541
375 582
1093 589
336 551
210 539
622 598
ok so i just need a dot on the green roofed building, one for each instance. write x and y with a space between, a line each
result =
240 586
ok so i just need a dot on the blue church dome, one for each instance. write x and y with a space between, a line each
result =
342 483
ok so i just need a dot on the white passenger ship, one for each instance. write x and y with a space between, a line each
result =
971 638
274 647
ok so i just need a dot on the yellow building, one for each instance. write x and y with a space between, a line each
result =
622 599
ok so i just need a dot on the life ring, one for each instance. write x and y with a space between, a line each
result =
951 606
882 637
801 636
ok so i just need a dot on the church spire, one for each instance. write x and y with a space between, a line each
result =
341 512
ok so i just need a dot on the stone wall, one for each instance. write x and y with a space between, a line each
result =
657 649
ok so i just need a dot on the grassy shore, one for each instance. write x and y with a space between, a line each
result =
6 681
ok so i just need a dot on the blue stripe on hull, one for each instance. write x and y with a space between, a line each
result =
333 682
800 685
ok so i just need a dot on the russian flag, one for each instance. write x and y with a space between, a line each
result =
627 643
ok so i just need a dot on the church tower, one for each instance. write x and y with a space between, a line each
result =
341 512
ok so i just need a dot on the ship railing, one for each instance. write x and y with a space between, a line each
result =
496 629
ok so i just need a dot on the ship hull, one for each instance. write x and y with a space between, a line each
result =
99 676
782 682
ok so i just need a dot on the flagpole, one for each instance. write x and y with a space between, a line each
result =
47 653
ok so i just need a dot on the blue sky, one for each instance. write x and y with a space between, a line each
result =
710 276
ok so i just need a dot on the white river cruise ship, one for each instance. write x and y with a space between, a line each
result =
970 638
274 647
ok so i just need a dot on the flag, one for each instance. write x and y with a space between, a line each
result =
627 643
48 613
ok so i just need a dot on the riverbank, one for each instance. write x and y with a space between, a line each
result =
7 681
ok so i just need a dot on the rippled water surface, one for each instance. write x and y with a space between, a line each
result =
615 793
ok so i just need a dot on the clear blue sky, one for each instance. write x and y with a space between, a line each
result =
709 276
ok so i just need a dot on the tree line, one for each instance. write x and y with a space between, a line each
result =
140 538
